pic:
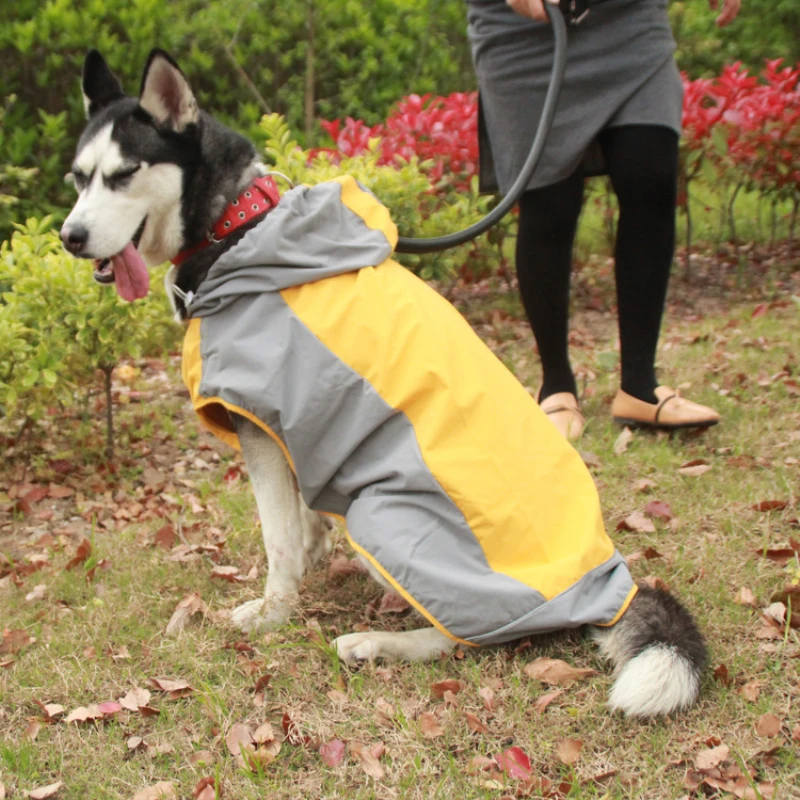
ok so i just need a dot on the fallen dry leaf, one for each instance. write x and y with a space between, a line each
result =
291 731
695 471
474 723
644 485
776 612
393 603
369 761
430 726
623 441
37 593
237 735
745 597
228 573
187 607
487 695
659 509
770 505
51 710
569 750
165 537
94 712
14 641
81 554
556 672
135 699
32 731
638 522
46 791
174 689
750 690
206 789
384 712
768 725
332 752
163 790
542 702
780 555
438 689
710 758
342 567
722 675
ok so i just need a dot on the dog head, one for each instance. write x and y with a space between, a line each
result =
131 168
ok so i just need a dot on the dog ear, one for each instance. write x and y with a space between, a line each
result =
166 94
100 85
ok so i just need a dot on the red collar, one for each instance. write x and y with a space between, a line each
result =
259 198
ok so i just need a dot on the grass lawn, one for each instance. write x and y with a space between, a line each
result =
84 627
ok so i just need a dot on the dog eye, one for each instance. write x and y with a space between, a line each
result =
77 179
120 176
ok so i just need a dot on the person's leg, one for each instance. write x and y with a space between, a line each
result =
548 218
642 161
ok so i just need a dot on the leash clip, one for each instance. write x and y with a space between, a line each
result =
575 11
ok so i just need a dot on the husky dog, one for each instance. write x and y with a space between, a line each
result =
155 175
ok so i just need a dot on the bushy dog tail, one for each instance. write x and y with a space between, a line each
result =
658 655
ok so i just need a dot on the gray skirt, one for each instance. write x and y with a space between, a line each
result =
620 71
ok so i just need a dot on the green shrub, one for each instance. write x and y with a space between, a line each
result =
58 327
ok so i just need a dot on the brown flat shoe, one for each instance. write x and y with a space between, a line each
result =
565 414
670 412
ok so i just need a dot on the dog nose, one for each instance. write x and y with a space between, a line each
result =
74 238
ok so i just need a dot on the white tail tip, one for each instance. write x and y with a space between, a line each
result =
656 682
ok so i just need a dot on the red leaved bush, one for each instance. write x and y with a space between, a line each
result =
758 121
442 131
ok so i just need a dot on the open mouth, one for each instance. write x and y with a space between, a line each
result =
126 269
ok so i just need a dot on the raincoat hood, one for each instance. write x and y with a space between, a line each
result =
315 232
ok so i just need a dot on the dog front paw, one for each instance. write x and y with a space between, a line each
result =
256 617
357 648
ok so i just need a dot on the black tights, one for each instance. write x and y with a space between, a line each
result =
642 162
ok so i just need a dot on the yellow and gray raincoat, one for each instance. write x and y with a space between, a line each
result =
397 418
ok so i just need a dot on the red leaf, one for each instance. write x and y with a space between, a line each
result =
165 537
36 494
81 554
514 763
438 689
233 473
659 509
770 505
780 555
332 752
206 789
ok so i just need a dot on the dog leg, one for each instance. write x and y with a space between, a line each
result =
424 644
294 536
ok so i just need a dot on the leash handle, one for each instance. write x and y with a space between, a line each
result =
436 244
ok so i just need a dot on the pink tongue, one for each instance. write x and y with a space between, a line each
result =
130 274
